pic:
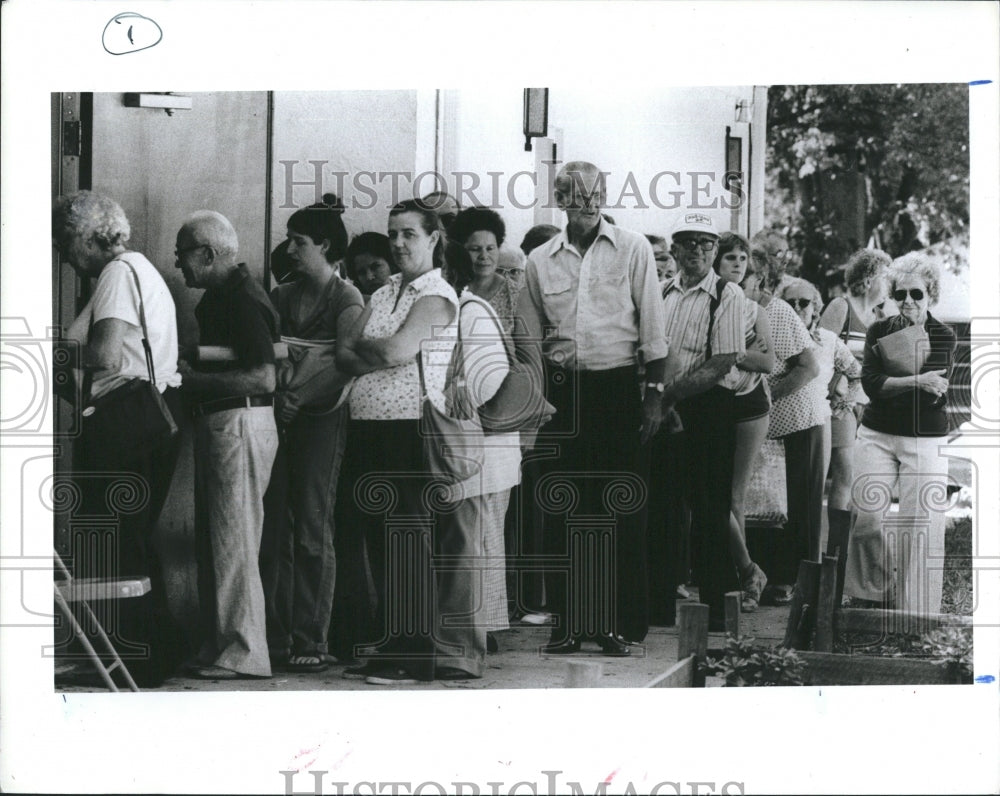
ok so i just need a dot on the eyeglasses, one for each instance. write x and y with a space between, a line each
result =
693 244
179 252
799 303
915 293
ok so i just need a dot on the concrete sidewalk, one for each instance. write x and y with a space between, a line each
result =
518 664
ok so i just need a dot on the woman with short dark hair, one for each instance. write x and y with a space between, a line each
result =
369 262
298 563
752 405
481 232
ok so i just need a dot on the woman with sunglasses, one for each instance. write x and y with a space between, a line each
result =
898 449
850 316
752 407
797 419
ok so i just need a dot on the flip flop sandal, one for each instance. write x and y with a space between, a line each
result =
307 663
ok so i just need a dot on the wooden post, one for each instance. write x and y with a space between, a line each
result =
802 613
692 636
836 545
826 604
732 603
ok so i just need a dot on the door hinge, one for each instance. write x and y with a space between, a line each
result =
72 139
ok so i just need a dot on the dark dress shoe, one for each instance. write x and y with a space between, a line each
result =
613 647
567 647
491 643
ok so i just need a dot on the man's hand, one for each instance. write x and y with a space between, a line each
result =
652 416
288 407
189 376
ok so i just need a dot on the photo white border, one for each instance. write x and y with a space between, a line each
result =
897 739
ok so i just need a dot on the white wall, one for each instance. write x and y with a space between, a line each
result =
646 131
355 132
641 132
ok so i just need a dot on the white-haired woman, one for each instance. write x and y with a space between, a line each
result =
898 450
90 232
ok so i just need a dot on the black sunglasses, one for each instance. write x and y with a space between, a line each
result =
915 293
800 303
693 244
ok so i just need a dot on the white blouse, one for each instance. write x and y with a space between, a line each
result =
394 393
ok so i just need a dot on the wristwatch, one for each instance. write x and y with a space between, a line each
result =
659 386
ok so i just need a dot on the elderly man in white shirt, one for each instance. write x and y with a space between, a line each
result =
592 302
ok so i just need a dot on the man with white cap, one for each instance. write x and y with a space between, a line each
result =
704 332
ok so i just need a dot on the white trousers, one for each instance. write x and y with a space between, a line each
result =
898 557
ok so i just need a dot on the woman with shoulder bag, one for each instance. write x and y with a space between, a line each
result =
125 356
399 351
482 500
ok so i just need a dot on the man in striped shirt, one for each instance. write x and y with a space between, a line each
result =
704 331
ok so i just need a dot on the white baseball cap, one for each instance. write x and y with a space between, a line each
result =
695 222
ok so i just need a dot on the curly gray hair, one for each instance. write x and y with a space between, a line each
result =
864 269
920 265
90 215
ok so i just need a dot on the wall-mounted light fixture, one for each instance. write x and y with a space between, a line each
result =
742 112
163 100
536 115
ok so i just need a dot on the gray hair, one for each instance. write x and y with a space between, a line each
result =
563 182
214 229
865 265
797 282
90 215
920 265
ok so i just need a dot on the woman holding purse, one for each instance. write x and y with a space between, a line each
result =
898 448
126 340
399 351
481 501
298 564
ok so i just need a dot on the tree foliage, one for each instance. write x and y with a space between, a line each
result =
906 149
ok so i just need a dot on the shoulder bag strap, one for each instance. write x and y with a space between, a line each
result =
713 305
142 320
451 365
845 333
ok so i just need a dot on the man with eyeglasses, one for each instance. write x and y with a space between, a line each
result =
235 444
774 245
591 304
704 331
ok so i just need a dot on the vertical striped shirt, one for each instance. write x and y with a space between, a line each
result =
687 321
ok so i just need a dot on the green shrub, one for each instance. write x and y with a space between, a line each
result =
951 647
746 663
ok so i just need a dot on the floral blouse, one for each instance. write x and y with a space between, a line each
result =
394 393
